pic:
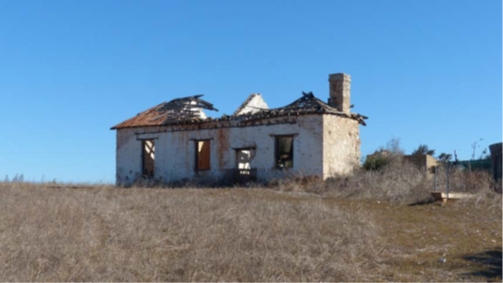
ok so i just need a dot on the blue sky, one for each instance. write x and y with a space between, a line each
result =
425 72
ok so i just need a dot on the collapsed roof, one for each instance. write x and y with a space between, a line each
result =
185 109
307 104
188 110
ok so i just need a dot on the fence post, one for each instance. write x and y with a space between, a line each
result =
447 173
435 180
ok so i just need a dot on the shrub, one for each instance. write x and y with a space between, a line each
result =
384 156
375 162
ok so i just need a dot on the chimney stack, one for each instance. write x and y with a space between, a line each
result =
340 94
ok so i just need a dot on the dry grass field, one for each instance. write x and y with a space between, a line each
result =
100 233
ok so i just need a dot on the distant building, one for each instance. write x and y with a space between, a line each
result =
176 141
425 162
496 152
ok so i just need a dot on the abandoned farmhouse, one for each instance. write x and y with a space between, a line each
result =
176 141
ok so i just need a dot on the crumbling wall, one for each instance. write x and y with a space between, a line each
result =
341 145
129 154
128 168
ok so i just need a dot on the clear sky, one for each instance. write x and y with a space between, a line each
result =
425 72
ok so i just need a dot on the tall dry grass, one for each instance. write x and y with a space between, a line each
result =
398 181
108 234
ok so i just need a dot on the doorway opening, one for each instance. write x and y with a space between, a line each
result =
148 158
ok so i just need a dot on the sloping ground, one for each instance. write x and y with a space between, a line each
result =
433 242
108 234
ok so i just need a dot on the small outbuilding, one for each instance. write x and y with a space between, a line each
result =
424 162
496 161
176 141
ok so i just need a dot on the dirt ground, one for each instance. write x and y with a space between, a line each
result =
437 242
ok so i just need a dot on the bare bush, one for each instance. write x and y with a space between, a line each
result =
397 181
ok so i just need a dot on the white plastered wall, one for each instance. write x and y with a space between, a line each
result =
175 151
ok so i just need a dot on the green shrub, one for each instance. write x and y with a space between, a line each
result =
375 162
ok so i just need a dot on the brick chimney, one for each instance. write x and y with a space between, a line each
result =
340 94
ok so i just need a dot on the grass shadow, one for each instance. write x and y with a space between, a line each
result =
490 262
429 200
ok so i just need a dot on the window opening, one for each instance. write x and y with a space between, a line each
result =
148 157
243 157
243 172
202 155
284 151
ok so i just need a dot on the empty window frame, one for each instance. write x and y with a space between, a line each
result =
244 173
284 151
243 158
148 158
202 155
